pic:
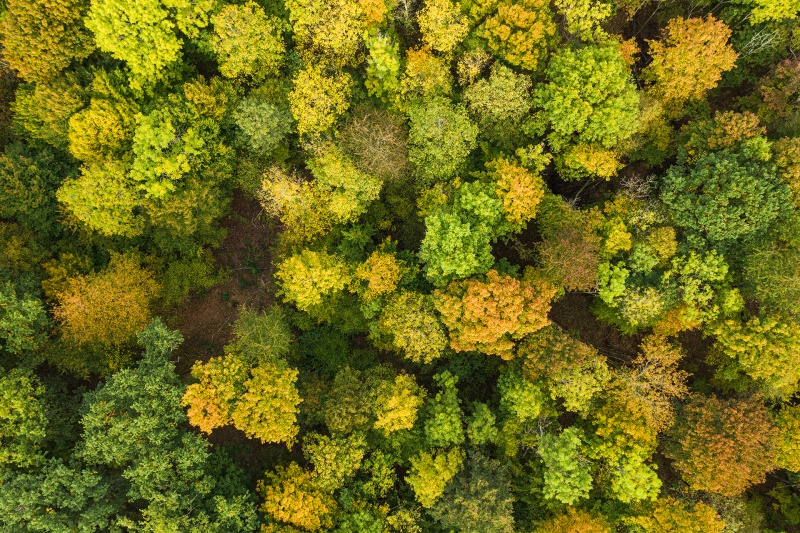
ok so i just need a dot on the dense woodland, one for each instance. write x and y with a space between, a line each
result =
400 266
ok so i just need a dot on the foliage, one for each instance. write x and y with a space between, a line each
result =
689 60
377 142
104 130
307 278
397 403
247 41
42 37
481 424
443 414
142 33
588 97
409 323
725 194
440 138
442 25
319 98
187 275
765 348
584 17
107 308
23 320
519 190
722 446
488 316
566 477
653 381
478 499
44 110
519 397
576 521
383 67
332 30
23 418
300 205
430 474
787 444
522 33
335 458
290 495
263 124
425 76
669 515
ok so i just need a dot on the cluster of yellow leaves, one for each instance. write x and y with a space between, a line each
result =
381 273
788 440
522 32
291 496
486 316
107 308
442 25
425 75
308 277
430 473
671 516
624 431
410 323
519 190
576 521
319 98
397 403
332 29
300 205
654 381
690 60
583 160
61 272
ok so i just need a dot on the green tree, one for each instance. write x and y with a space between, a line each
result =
499 103
430 474
443 414
23 321
335 459
588 97
722 446
787 443
440 139
143 33
23 418
567 476
44 110
725 195
247 42
478 499
42 37
263 125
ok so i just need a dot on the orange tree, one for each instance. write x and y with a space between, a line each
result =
722 446
488 315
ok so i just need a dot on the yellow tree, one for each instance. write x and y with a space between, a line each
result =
522 33
576 521
689 60
291 496
671 516
319 98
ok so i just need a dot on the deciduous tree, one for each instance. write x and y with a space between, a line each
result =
522 33
319 98
576 521
291 496
669 515
247 41
409 324
442 25
430 474
23 419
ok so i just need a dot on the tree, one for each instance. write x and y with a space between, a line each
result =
300 205
335 459
478 499
670 515
319 98
766 348
588 97
397 403
107 309
309 279
489 316
409 324
576 521
377 142
247 42
23 321
567 477
425 76
725 195
263 125
522 33
23 419
583 18
290 495
44 110
430 474
503 98
330 29
104 130
443 414
442 25
654 380
142 33
520 190
379 275
787 442
722 446
689 59
440 139
42 37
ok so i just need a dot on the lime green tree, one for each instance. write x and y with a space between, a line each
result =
567 476
430 473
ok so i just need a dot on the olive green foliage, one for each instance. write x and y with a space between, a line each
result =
187 275
23 320
478 499
44 110
481 426
588 97
247 41
410 325
500 102
772 276
334 459
725 195
262 124
440 138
